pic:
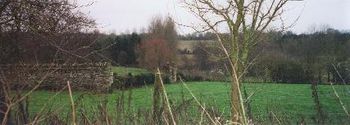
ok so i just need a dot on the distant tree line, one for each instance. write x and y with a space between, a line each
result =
319 57
198 36
119 49
286 57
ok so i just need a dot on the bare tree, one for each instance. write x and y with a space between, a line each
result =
163 28
238 25
54 23
154 53
159 47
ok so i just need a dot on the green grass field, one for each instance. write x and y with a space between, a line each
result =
123 71
286 101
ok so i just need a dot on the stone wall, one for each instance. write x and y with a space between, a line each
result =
87 76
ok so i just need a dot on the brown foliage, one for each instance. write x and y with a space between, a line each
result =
158 49
155 53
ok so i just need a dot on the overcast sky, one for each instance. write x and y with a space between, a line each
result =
132 15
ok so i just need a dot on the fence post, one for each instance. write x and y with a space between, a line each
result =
157 112
160 97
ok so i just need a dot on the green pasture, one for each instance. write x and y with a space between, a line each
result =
284 101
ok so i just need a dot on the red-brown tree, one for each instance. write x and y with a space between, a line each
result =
154 53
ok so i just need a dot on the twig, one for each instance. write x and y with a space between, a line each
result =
72 103
202 113
340 101
194 97
166 97
37 116
273 114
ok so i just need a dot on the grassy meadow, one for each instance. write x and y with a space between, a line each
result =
288 103
123 71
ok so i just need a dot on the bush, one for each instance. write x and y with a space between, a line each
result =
128 81
289 72
191 77
143 79
202 76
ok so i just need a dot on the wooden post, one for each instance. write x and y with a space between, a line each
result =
157 113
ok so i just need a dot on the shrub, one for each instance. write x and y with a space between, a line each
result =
289 72
190 76
202 76
128 81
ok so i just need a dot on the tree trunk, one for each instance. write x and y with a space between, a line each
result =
236 108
